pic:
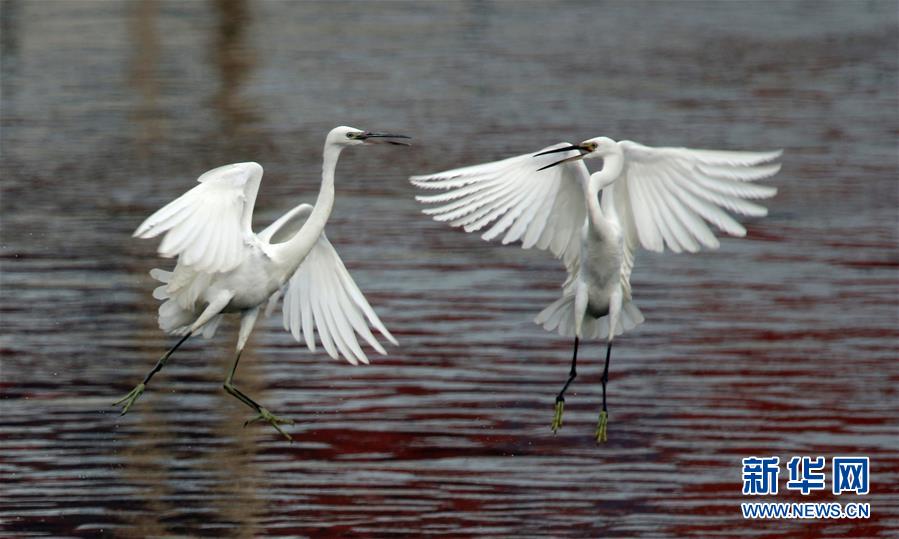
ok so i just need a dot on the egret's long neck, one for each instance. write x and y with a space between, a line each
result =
611 169
325 200
295 249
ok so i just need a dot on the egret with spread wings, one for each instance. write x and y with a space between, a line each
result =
651 197
224 267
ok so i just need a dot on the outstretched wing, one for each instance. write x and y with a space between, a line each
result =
322 296
287 225
279 231
543 209
207 227
665 196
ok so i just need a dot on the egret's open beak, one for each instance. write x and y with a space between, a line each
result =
383 138
578 147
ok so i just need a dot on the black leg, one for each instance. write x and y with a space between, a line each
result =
262 413
605 375
572 374
238 394
604 414
129 399
560 398
162 361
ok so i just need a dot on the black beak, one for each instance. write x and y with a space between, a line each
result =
563 149
378 138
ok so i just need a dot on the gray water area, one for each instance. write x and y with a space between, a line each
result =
781 343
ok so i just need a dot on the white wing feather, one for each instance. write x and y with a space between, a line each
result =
208 226
665 195
510 198
287 225
322 296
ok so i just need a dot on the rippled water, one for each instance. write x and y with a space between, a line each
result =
783 343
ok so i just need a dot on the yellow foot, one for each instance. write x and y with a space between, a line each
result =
601 427
129 399
557 418
265 415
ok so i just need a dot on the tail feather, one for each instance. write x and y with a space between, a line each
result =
160 292
161 275
551 316
631 316
174 319
177 321
558 316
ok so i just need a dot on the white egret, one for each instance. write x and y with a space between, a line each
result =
654 197
224 267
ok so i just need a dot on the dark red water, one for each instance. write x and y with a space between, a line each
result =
779 344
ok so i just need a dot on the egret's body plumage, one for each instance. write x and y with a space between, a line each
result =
224 267
653 197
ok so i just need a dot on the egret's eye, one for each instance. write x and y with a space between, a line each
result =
590 146
350 135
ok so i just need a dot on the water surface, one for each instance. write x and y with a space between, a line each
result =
782 343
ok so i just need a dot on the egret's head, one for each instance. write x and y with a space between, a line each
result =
350 136
599 147
589 149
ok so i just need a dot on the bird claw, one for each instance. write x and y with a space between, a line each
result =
265 415
557 418
601 436
129 399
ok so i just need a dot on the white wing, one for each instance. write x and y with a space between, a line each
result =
208 226
281 230
321 295
543 209
665 195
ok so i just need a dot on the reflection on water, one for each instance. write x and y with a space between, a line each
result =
234 62
782 343
144 74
